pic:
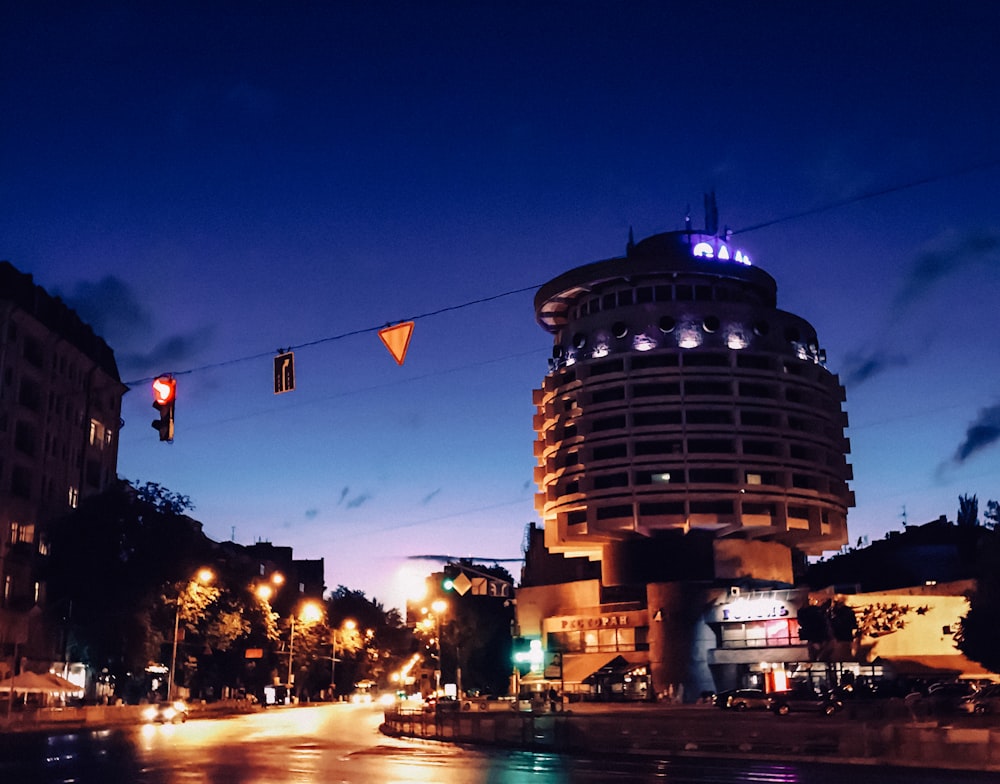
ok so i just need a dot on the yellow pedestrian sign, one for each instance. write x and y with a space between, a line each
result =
397 339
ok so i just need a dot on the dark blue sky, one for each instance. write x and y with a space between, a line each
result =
209 182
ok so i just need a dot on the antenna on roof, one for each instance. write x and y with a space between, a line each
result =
711 214
631 242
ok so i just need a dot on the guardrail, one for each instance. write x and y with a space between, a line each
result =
687 731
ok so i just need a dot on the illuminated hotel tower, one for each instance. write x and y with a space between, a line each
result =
680 398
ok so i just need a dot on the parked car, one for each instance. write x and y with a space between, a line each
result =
743 699
986 700
945 698
805 698
166 713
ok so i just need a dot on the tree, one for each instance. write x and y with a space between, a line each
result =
375 647
477 635
992 514
978 636
968 510
109 563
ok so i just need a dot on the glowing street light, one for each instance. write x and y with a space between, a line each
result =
350 625
204 576
311 613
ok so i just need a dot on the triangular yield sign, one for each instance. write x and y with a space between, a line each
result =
397 339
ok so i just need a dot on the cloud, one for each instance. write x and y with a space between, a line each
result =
114 312
427 498
932 267
358 500
343 495
110 307
312 514
859 368
170 353
979 435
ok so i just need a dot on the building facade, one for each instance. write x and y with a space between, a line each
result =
690 441
60 416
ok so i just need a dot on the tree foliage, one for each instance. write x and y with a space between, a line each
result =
968 510
978 636
108 564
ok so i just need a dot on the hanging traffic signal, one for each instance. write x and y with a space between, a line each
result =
164 395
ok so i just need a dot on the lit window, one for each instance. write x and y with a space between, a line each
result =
74 498
689 337
703 249
724 253
643 343
736 340
754 479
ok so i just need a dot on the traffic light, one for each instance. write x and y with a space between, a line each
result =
164 395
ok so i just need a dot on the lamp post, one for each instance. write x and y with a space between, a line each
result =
310 613
350 625
439 606
204 576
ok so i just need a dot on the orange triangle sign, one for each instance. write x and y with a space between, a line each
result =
397 339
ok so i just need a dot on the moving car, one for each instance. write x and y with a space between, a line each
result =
804 698
986 700
166 713
743 699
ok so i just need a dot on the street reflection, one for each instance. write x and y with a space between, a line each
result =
340 744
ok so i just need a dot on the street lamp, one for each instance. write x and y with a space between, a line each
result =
438 606
311 613
350 625
204 576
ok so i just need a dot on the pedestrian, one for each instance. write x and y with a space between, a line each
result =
553 698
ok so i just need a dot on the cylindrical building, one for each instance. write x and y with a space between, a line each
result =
680 398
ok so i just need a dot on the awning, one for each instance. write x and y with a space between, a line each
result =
578 668
39 683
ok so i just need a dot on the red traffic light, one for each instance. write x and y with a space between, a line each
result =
164 394
164 390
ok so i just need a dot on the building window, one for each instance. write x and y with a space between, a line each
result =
20 482
709 417
711 476
614 512
710 446
661 509
657 448
614 366
24 438
30 395
712 507
706 388
608 423
608 395
610 452
74 497
653 418
22 533
655 390
608 481
664 476
777 633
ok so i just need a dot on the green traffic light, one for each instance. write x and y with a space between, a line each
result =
448 584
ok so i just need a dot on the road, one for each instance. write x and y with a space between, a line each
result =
340 744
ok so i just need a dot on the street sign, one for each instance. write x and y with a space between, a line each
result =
284 373
397 339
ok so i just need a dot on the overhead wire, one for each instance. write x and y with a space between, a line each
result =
867 195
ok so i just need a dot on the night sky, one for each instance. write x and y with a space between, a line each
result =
208 183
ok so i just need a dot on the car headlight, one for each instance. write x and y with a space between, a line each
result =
149 714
